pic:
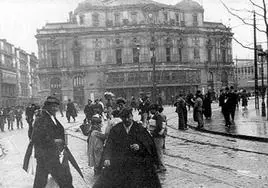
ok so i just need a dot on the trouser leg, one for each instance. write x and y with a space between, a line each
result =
41 175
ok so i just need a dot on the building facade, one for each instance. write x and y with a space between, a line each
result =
15 76
126 47
245 74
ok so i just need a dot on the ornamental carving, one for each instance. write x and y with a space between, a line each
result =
209 44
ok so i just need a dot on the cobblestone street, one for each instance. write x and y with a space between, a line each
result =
193 159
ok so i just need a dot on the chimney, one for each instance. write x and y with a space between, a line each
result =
70 16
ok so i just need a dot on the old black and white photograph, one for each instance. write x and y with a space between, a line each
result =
133 93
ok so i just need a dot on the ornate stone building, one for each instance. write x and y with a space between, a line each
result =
111 45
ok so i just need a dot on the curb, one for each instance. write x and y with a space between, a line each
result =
244 137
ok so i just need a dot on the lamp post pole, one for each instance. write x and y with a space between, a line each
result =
139 68
262 89
255 64
154 82
261 55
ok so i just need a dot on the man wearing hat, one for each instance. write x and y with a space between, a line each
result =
130 155
88 110
49 143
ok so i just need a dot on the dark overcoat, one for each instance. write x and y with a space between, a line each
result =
129 168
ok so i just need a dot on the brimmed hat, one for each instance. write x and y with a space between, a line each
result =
51 100
125 113
120 100
96 119
154 107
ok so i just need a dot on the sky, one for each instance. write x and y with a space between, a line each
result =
19 20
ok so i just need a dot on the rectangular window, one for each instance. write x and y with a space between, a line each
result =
135 55
177 18
82 19
195 19
117 19
196 41
118 54
223 56
209 56
168 56
98 55
165 17
76 55
54 59
182 19
180 54
134 17
196 53
95 20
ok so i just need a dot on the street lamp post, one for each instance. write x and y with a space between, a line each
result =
153 58
261 54
139 67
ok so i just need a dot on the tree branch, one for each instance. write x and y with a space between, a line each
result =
240 18
244 46
256 5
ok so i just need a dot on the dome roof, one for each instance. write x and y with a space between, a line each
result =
129 2
189 5
85 5
89 4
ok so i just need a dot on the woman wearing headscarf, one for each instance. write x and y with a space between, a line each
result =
95 144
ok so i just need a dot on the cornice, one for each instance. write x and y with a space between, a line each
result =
88 31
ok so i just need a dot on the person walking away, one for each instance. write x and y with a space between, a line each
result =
71 111
88 110
181 110
49 144
129 156
157 130
18 115
10 118
233 103
226 107
244 97
95 145
198 110
207 106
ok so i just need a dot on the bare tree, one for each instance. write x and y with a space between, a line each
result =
260 10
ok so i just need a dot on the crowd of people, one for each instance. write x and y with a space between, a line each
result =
127 153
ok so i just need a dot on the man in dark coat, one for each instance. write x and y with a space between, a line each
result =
89 110
233 102
49 143
227 105
29 113
70 111
181 110
129 156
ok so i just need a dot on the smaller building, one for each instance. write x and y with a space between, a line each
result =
19 83
245 74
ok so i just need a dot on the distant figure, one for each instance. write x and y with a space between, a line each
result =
10 118
88 110
227 105
198 110
144 107
207 106
244 97
133 103
18 115
29 113
71 111
181 110
233 102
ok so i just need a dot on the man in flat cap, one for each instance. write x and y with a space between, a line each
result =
49 143
129 156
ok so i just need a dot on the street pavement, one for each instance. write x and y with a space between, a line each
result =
193 159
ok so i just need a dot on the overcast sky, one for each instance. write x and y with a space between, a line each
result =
19 20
